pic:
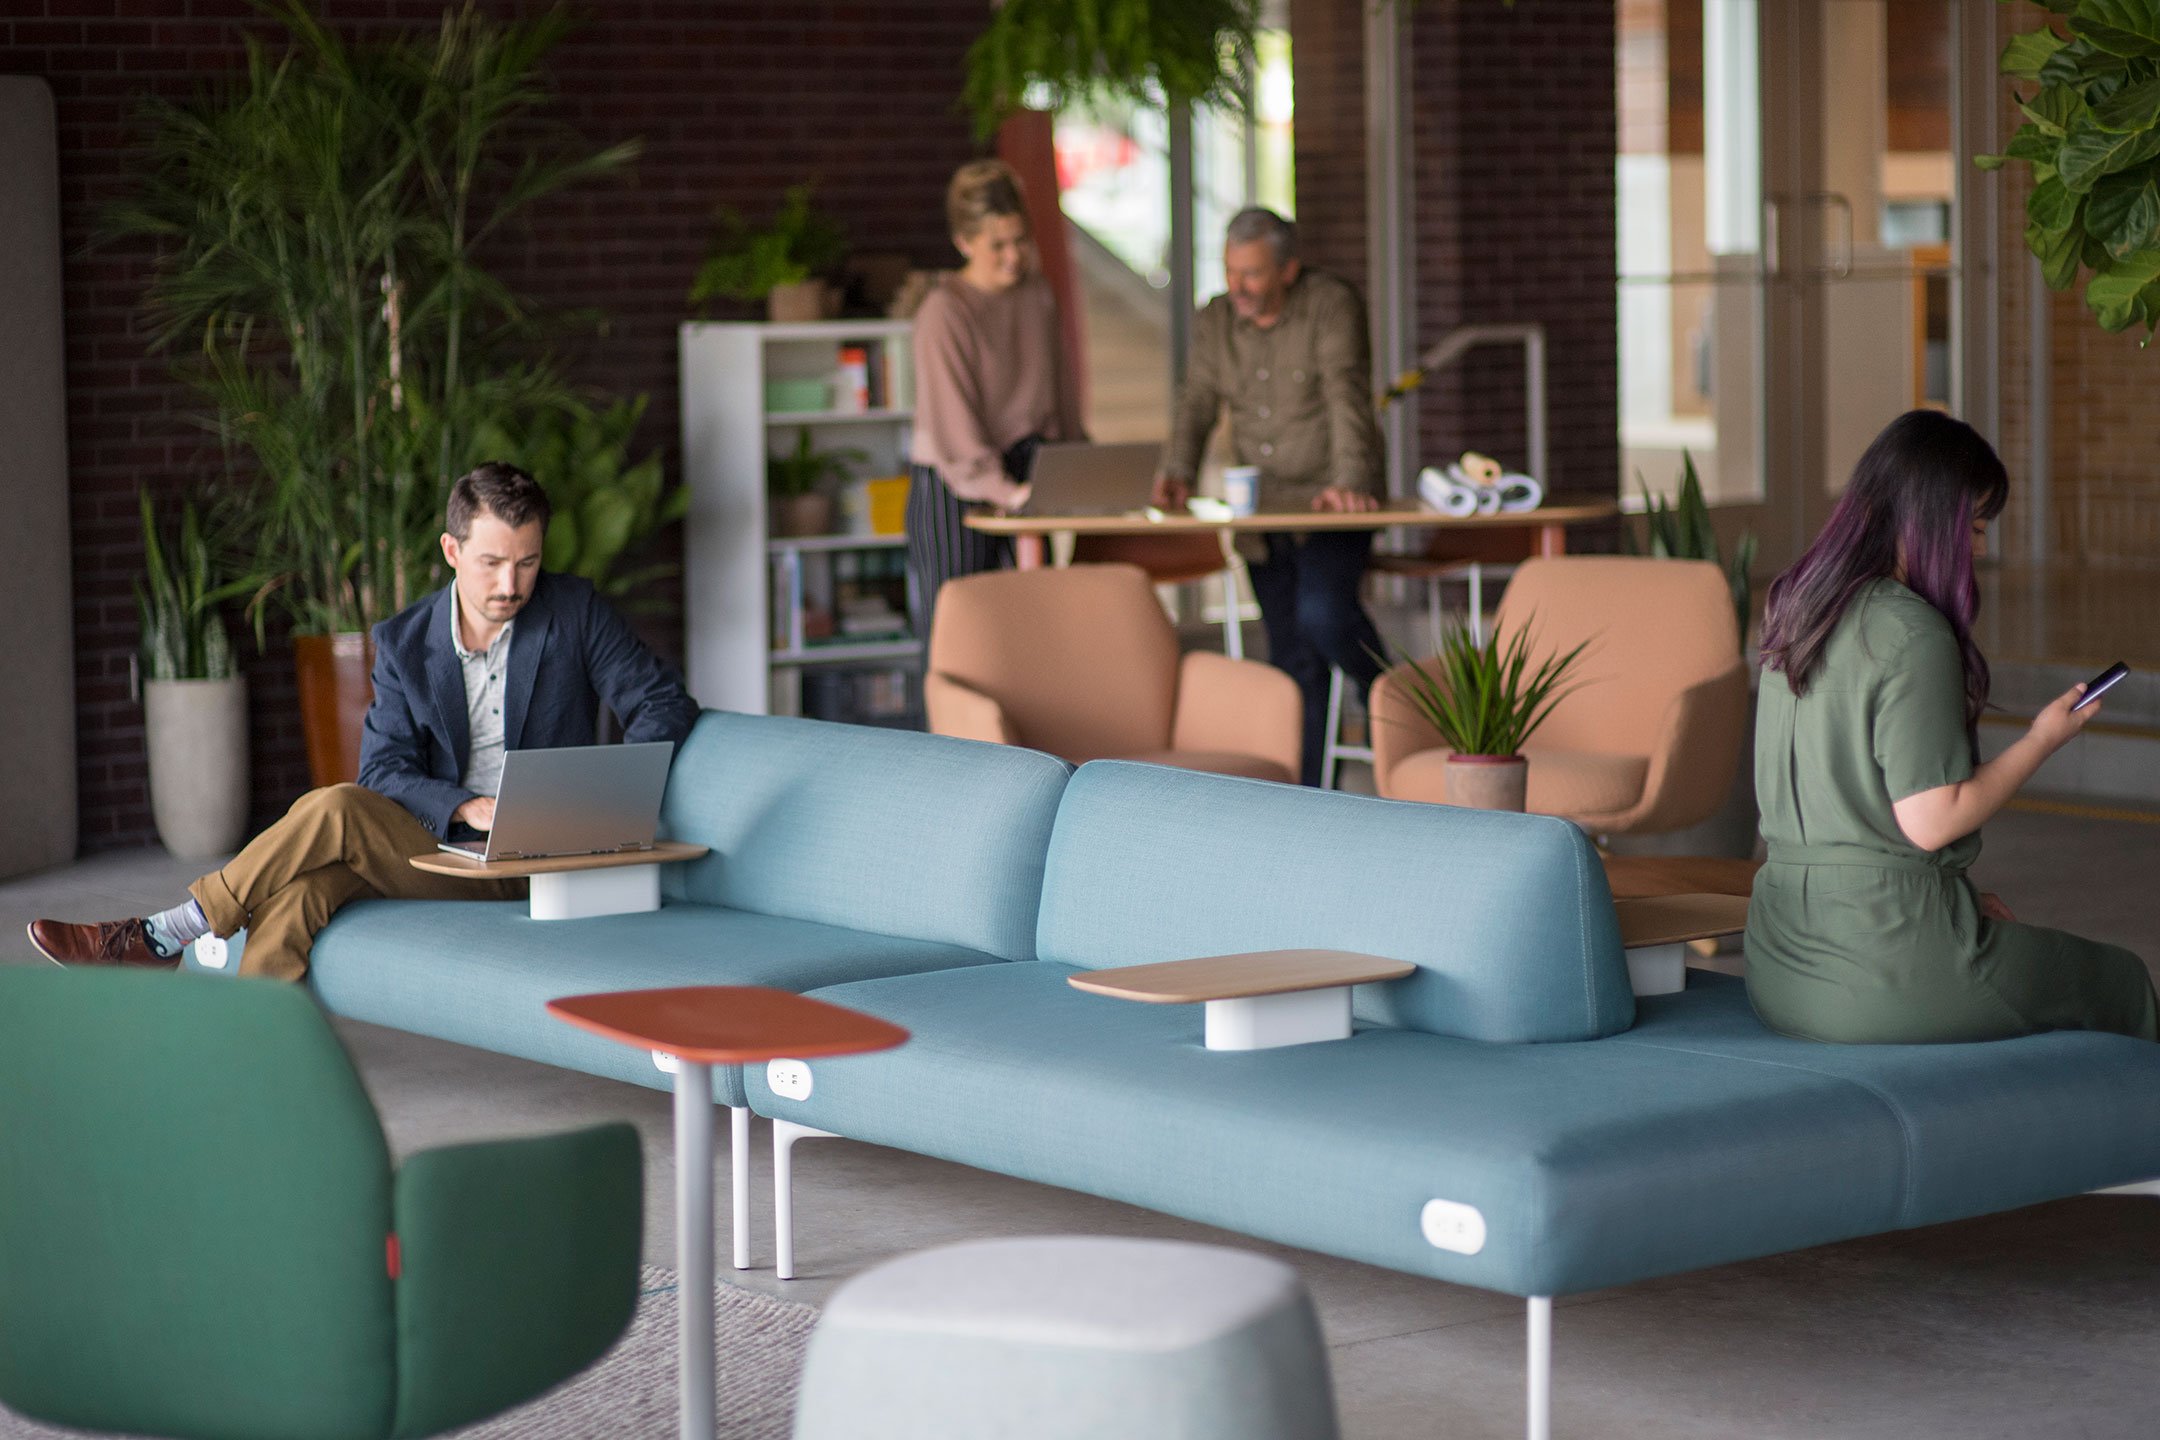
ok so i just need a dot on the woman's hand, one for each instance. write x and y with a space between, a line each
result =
2058 724
1992 908
1015 499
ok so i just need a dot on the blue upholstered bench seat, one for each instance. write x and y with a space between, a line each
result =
1694 1139
481 972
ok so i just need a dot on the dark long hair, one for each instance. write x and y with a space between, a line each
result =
1914 496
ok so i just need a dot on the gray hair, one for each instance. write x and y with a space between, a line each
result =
1260 223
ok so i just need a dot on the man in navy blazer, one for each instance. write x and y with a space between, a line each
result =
504 657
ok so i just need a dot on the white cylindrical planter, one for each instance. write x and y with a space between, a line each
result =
197 736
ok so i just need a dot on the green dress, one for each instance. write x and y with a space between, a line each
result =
1854 933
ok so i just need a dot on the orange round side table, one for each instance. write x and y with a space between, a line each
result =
701 1026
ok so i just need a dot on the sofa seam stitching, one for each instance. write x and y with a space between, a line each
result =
1897 1112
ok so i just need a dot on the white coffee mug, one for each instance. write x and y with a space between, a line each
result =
1241 489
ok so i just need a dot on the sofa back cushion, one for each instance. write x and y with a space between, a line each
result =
1507 917
887 831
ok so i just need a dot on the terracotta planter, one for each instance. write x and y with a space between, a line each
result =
335 693
796 515
1488 782
197 733
793 304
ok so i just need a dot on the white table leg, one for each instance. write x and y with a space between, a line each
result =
1657 969
739 1171
694 1243
1262 1022
583 894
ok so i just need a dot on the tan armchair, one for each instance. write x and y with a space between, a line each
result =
1081 662
1649 740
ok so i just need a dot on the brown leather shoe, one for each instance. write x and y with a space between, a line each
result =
110 942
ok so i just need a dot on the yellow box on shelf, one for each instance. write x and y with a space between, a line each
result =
888 504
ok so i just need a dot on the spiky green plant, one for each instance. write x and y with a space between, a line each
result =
1484 696
1682 531
319 219
176 599
798 471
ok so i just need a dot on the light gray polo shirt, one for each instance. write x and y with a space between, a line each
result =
487 674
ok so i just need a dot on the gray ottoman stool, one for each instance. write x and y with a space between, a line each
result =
1069 1338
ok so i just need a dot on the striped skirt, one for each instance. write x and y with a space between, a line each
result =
940 547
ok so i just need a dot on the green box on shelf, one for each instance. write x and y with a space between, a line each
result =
797 395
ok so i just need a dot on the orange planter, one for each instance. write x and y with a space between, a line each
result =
335 693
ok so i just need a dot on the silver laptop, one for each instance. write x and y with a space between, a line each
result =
578 800
1092 479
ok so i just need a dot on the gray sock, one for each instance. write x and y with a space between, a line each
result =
172 931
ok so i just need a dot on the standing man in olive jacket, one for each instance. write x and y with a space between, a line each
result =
1286 350
504 657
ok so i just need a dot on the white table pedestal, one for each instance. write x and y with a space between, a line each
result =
583 894
694 1243
1263 1022
1657 969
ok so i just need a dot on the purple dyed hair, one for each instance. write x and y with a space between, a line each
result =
1914 496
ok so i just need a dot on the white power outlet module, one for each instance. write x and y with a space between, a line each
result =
1452 1225
790 1079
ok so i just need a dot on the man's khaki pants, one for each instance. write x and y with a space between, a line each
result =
336 844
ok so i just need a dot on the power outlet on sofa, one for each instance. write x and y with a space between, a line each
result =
1452 1225
212 952
790 1079
665 1063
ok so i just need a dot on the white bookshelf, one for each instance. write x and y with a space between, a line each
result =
745 652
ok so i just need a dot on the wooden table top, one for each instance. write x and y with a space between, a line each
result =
1673 919
1239 977
442 862
728 1024
1634 877
1170 524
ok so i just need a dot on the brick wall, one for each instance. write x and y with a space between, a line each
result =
1514 119
734 101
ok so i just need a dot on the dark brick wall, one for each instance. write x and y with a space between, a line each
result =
1514 118
734 101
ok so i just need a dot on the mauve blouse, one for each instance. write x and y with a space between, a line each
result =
989 371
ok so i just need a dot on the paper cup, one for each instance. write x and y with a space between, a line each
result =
1241 489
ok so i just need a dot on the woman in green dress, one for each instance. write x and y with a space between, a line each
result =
1864 927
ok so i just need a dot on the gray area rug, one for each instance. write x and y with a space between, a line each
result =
630 1391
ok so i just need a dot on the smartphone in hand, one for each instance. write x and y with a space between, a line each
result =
2099 684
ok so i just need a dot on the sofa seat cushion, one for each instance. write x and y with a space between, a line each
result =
1215 762
1561 782
1593 1163
481 972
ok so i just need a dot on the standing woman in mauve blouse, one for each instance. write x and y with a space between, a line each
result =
1864 927
991 384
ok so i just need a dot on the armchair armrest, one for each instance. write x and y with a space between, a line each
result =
1239 706
517 1264
1697 753
959 709
1399 729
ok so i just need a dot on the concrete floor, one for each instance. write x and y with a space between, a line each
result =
2041 1323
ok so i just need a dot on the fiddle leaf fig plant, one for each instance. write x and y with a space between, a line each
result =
2092 139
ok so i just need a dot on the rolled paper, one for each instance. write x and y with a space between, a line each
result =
1445 492
1519 493
1478 470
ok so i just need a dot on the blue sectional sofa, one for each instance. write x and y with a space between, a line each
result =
1510 1116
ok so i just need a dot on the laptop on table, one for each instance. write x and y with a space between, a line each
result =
576 800
1082 479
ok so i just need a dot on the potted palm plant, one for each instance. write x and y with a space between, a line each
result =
194 696
319 219
1486 700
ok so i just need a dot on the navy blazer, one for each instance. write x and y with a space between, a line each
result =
568 652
